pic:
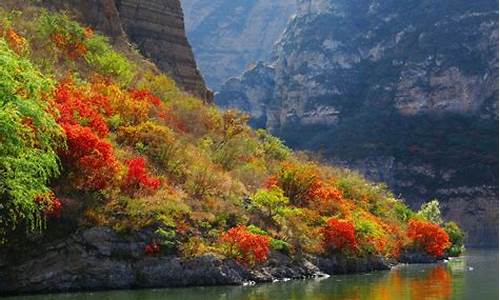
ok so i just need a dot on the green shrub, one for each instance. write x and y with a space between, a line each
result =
269 202
94 48
276 244
167 237
403 212
457 237
280 245
272 147
107 61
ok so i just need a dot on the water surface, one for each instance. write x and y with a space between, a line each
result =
473 276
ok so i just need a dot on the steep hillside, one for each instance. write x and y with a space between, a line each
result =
112 177
404 91
229 35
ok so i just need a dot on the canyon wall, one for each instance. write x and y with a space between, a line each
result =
229 35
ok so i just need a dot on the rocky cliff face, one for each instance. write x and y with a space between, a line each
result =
228 35
404 91
155 26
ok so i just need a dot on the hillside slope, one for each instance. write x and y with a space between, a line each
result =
112 177
405 92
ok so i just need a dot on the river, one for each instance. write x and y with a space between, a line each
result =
472 276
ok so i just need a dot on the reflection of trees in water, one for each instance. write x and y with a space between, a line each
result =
434 282
437 284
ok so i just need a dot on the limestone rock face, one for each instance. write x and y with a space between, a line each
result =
228 35
155 26
251 93
99 14
404 91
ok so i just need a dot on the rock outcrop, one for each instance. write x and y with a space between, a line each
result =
228 35
156 27
404 91
98 259
251 93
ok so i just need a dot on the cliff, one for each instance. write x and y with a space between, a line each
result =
228 35
406 92
156 27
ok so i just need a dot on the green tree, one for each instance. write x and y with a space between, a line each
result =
270 202
29 137
431 212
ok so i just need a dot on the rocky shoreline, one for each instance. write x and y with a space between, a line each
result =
100 259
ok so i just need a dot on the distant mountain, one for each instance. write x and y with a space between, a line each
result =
228 35
404 91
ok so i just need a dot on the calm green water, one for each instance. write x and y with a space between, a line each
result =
473 276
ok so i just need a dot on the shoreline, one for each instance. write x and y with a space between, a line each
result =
98 259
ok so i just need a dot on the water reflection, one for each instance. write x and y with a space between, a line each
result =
472 277
434 282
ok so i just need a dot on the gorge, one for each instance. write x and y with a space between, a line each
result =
118 170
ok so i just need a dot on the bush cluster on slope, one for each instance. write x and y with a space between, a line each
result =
79 120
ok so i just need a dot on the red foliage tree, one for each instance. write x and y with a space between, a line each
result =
428 236
138 178
152 248
339 235
51 205
89 157
85 109
247 247
145 95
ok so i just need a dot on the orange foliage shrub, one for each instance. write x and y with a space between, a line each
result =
14 40
271 182
323 191
247 247
303 186
339 235
295 180
72 44
325 198
429 237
